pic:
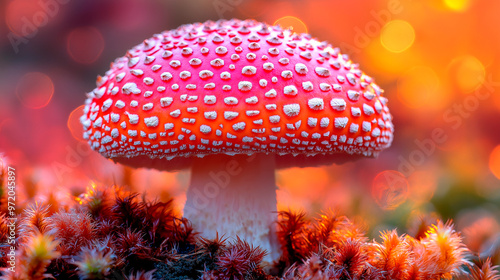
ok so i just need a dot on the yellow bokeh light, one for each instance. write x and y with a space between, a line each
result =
397 36
297 25
495 162
419 88
467 72
392 64
457 5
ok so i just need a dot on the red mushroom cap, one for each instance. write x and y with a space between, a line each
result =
235 87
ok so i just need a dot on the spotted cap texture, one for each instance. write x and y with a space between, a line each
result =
235 87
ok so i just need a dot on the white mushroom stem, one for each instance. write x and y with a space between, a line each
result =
235 196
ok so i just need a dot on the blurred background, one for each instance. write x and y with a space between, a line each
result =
436 59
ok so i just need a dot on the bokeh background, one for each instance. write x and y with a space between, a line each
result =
436 59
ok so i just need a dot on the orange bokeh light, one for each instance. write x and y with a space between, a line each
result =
35 90
419 88
467 72
85 44
397 36
495 161
74 125
297 25
394 65
390 189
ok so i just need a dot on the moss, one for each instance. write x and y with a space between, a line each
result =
116 235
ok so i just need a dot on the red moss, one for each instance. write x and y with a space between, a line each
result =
484 272
131 242
127 235
73 230
293 236
128 211
239 261
97 201
106 227
233 264
350 259
34 220
211 247
313 268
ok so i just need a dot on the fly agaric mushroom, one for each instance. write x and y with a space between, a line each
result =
233 100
